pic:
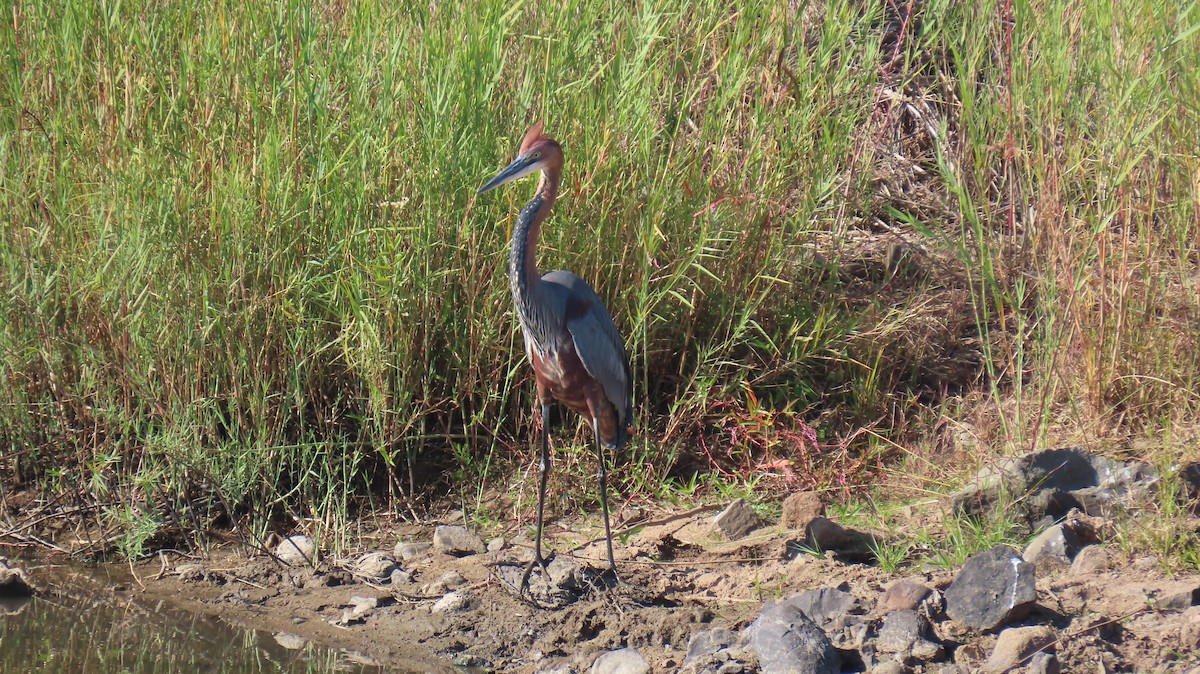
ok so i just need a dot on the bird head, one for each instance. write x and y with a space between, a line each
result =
538 152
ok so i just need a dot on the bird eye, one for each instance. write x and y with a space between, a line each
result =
536 155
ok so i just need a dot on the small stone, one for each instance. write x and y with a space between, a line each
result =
401 577
453 602
890 667
471 662
374 565
708 642
1016 644
368 602
290 641
189 573
407 550
1178 596
906 631
823 606
800 509
737 520
1189 632
456 540
903 594
497 544
1043 663
451 580
825 534
297 550
1055 547
789 642
994 587
624 661
1091 559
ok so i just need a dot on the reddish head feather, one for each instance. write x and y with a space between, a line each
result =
533 135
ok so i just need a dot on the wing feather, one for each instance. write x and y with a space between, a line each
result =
598 343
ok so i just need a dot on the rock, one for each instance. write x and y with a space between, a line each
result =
890 667
801 508
472 663
401 577
454 602
374 566
407 550
906 631
823 533
1056 480
1178 595
903 594
456 540
1091 559
1043 663
451 580
708 642
497 544
13 584
1054 548
360 608
737 520
290 641
298 550
826 535
788 642
1189 632
994 587
1016 644
624 661
825 605
835 611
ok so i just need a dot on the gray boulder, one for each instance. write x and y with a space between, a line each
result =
788 642
994 587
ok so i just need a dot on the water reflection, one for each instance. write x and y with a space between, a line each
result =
78 623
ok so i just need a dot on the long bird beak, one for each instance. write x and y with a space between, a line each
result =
519 168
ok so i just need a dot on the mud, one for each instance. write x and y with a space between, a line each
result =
680 578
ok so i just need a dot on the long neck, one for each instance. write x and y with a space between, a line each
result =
522 263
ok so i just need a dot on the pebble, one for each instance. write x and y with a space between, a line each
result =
624 661
297 550
1017 643
407 550
453 602
456 540
375 565
1091 559
903 594
737 520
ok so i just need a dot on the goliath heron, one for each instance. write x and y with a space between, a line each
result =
577 354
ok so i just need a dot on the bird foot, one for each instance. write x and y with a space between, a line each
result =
537 560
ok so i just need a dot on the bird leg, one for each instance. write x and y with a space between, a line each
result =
544 474
612 563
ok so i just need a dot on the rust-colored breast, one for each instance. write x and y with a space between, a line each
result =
562 377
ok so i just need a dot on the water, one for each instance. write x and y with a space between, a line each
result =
87 620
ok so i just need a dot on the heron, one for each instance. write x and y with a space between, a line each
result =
577 354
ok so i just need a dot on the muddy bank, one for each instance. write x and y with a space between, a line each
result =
732 593
681 582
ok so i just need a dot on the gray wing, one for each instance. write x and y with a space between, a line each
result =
597 342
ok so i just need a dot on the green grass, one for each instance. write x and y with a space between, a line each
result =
243 268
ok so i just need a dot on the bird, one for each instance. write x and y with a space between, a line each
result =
577 353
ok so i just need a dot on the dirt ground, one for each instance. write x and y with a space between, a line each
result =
681 578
